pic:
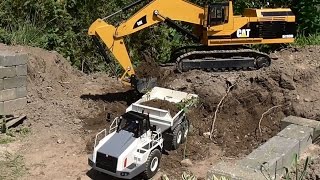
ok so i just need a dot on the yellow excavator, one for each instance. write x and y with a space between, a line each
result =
221 35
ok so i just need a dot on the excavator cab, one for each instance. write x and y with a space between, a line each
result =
218 13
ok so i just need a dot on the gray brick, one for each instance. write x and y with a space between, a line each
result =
302 122
18 81
21 92
1 84
7 72
8 58
8 94
21 70
301 133
276 153
10 107
234 171
1 108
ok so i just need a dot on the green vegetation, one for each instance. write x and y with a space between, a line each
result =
11 166
62 25
6 139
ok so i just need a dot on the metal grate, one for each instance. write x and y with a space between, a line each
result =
106 162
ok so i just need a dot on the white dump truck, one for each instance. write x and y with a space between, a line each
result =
134 142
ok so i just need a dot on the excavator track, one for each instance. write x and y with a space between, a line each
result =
220 59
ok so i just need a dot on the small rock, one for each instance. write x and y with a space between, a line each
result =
77 121
48 125
287 82
188 80
206 134
60 141
186 163
307 100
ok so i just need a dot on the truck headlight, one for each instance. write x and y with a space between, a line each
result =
124 174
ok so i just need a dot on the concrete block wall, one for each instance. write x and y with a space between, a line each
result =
13 82
275 155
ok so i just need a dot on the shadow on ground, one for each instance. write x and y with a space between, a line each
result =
129 97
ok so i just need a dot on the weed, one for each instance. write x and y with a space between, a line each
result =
11 166
6 139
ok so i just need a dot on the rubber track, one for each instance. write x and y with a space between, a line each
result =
235 52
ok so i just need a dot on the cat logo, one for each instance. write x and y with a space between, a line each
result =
243 33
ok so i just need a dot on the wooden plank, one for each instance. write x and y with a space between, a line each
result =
14 121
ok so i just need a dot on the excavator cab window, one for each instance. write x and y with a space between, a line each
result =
218 13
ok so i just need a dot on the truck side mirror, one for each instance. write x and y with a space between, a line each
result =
108 117
153 128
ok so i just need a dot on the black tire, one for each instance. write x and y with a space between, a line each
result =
152 164
177 137
185 131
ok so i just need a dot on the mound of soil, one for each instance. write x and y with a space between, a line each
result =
66 108
162 104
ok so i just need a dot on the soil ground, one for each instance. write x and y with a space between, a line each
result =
66 108
162 104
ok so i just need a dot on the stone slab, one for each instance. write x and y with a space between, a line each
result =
7 72
276 153
21 92
8 94
1 84
18 81
21 70
302 122
11 106
1 108
301 133
8 58
233 171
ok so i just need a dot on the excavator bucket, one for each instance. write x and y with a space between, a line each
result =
146 84
143 85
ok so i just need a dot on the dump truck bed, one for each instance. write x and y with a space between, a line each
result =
161 118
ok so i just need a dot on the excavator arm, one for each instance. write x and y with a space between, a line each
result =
154 12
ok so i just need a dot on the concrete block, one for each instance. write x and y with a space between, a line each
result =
301 133
8 58
8 94
302 122
21 70
276 153
18 81
1 108
234 171
1 84
21 92
7 72
13 105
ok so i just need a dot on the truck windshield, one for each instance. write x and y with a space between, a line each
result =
129 125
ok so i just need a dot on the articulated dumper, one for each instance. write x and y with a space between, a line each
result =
134 142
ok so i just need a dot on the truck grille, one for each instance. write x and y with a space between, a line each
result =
108 163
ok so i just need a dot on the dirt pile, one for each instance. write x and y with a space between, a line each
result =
162 104
66 108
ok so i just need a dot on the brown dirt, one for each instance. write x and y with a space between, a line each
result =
147 68
66 108
162 104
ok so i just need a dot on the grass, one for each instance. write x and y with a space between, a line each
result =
6 140
11 166
313 39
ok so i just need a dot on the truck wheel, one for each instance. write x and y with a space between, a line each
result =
152 164
186 131
177 137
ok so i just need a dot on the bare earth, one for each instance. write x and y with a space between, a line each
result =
66 108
